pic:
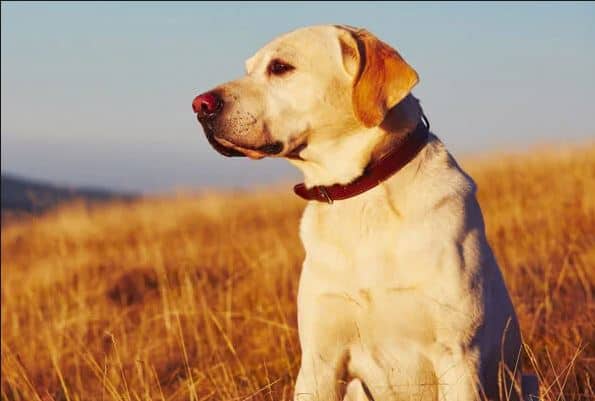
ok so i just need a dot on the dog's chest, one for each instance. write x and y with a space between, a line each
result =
367 261
368 242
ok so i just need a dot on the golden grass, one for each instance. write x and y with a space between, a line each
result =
193 298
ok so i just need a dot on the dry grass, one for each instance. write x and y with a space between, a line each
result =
193 298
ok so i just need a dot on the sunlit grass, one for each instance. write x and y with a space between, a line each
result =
193 298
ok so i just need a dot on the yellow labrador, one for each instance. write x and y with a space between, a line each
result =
400 296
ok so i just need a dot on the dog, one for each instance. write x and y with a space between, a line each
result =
400 296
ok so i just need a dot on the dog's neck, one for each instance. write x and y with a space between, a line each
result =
342 158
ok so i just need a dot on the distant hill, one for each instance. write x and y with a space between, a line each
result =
25 196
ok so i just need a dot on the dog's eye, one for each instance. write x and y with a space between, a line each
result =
278 67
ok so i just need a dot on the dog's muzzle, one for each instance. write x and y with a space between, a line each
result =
208 107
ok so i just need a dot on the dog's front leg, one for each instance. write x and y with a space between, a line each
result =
321 376
458 376
326 328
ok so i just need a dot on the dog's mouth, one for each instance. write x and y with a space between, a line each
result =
222 149
294 153
234 149
219 147
231 149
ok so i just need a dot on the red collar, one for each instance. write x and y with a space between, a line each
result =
373 174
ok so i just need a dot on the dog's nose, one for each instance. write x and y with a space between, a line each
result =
207 105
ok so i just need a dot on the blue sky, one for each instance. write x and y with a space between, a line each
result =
100 93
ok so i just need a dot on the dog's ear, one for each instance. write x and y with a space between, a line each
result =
382 79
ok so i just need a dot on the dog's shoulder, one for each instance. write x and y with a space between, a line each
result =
437 181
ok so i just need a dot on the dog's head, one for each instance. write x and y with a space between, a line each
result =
312 83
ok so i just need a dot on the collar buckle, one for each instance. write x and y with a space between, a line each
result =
323 192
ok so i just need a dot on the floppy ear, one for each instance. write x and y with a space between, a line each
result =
383 79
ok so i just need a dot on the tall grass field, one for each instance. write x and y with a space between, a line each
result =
193 297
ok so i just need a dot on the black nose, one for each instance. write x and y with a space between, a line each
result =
207 105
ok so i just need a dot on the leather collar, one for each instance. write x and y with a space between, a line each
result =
374 173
